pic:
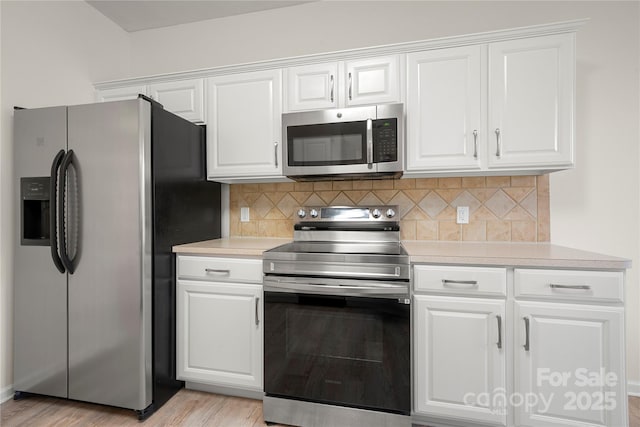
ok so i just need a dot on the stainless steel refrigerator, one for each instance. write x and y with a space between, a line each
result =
104 191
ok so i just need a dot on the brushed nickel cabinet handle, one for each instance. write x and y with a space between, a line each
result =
275 149
498 144
526 334
576 287
215 271
332 86
257 310
447 282
499 319
350 87
475 143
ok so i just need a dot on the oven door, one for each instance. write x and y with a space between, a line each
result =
337 348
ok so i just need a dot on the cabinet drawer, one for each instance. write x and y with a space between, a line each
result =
220 269
460 280
570 285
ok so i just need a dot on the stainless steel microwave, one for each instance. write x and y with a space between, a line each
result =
344 143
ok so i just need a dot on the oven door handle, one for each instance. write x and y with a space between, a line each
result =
375 291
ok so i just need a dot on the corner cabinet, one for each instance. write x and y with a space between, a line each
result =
219 322
492 108
244 126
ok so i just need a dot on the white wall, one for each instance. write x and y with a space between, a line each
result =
51 53
594 207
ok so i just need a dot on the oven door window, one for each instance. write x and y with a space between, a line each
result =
327 144
338 350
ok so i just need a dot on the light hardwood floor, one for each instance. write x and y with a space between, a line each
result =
187 408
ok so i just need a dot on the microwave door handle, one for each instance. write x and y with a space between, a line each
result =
369 143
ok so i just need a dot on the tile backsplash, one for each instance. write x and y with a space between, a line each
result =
502 208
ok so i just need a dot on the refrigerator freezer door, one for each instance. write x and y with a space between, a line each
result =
109 209
40 290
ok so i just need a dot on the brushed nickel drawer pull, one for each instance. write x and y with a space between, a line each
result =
499 319
447 282
215 271
526 334
576 287
257 310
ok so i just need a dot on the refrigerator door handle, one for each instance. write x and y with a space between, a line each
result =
62 177
53 223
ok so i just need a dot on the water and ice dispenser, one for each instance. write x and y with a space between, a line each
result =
35 211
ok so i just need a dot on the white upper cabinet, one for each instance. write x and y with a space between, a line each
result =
531 102
184 98
344 83
444 109
312 87
120 93
494 108
244 116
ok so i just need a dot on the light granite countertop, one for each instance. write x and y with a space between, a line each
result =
473 253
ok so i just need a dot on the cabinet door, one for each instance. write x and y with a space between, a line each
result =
219 328
184 98
459 358
121 93
373 80
244 125
311 87
569 358
531 102
444 107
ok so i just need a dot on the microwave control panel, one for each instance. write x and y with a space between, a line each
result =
385 140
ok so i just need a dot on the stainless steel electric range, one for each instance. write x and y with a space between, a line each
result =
337 321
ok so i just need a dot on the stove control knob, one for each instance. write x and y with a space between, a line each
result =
313 213
302 213
390 213
376 213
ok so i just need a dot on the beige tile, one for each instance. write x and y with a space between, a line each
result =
247 188
448 230
518 214
234 227
544 232
249 229
408 230
328 196
275 213
500 204
288 205
523 231
482 214
365 184
385 195
314 200
303 186
275 197
543 217
262 206
263 188
286 186
417 214
449 182
530 204
498 181
427 230
382 184
342 200
427 183
403 202
518 193
523 181
448 214
342 185
356 195
475 231
300 196
482 194
498 231
251 198
473 182
466 199
370 199
448 195
416 195
323 186
432 204
404 184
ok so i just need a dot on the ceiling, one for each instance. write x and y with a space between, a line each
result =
136 15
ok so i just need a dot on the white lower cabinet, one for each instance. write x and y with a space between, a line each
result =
548 354
219 323
459 343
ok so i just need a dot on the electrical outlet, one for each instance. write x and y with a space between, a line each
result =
463 215
244 214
